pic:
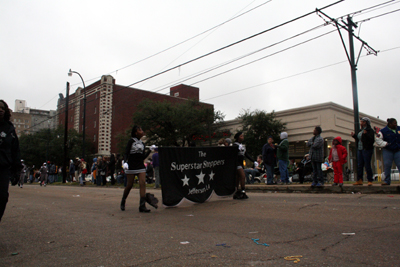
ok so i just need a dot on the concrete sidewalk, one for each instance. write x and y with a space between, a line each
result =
328 188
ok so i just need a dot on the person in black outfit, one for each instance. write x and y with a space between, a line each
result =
269 159
240 176
135 154
10 156
304 168
365 140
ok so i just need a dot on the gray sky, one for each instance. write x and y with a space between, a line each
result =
41 40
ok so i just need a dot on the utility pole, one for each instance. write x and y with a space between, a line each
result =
352 61
66 165
353 66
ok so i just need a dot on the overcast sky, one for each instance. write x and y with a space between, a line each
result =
41 40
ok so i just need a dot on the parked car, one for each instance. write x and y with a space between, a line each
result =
394 176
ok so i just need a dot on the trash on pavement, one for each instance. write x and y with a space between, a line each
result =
295 259
256 241
184 242
348 233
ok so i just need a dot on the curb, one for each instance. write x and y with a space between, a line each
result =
328 189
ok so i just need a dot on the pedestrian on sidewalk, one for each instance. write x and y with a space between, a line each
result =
43 174
269 159
338 155
389 139
365 139
283 158
316 155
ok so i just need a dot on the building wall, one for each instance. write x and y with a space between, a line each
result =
22 122
335 120
109 110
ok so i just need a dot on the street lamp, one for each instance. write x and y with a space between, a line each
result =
84 110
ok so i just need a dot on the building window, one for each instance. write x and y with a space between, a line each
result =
94 124
176 94
94 138
26 121
95 110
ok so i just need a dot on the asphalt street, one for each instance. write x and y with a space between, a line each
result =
83 226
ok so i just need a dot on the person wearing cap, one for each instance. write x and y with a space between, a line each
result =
316 154
10 156
240 176
269 159
282 155
365 140
389 139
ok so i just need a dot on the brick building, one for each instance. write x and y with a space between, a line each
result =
109 109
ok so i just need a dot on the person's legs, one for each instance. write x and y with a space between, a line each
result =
319 172
4 184
283 170
270 175
246 174
335 165
241 179
367 162
388 157
396 158
21 179
315 172
338 170
129 184
360 165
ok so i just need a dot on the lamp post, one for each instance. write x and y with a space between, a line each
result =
84 111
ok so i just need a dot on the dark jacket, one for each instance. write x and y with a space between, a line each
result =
269 155
316 145
367 139
392 138
10 155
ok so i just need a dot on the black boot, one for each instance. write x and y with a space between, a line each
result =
152 200
142 207
122 204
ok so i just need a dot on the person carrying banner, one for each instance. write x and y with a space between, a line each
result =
240 176
135 154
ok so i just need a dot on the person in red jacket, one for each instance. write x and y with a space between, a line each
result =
338 155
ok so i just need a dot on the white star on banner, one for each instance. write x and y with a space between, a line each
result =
185 181
201 177
212 175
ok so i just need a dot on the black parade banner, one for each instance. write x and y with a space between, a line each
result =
194 173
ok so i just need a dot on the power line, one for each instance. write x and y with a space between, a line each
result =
235 59
173 46
76 100
233 44
291 76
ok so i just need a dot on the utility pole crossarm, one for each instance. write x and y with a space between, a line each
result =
370 50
